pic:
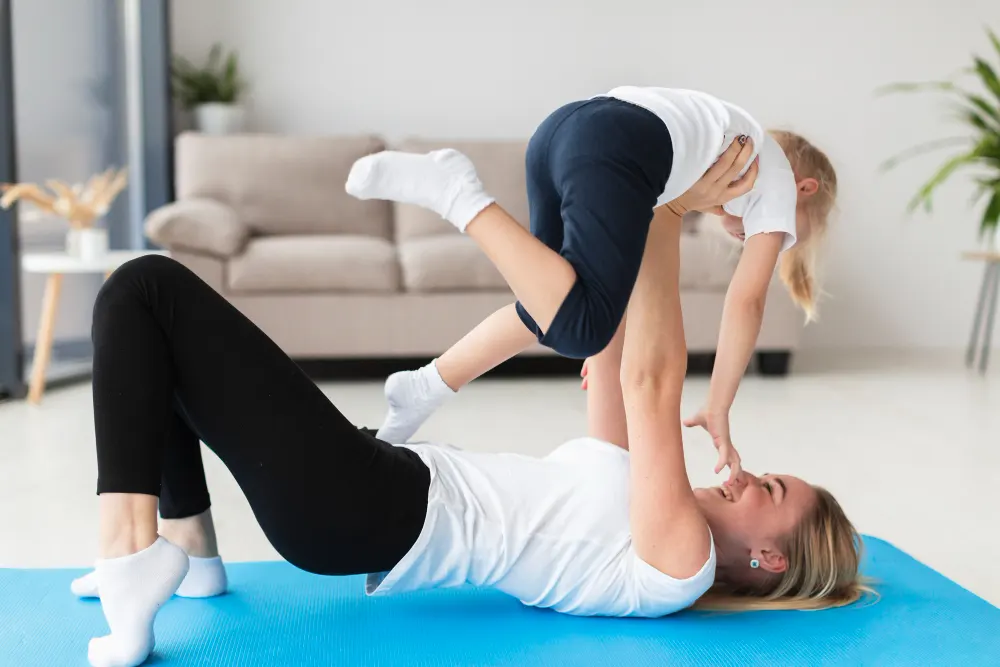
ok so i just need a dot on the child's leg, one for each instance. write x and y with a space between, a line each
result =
608 162
414 395
605 404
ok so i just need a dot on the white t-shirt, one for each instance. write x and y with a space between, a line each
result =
701 128
552 532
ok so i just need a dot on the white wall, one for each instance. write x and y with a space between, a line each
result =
445 68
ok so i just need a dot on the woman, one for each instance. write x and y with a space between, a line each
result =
588 530
595 171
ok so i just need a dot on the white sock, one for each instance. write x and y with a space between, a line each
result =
206 578
133 588
443 181
413 396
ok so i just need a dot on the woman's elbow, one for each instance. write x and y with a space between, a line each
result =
654 378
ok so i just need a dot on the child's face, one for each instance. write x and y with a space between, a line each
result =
734 227
807 187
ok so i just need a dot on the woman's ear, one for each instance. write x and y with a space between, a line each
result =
807 187
773 561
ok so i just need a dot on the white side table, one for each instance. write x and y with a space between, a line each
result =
55 266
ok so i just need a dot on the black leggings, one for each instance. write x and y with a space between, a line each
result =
174 362
595 170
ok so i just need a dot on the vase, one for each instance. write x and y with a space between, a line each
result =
88 244
219 119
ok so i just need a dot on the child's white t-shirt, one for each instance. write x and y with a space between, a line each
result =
701 128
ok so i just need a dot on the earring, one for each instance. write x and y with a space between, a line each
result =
754 563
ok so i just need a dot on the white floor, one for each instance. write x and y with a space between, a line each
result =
913 455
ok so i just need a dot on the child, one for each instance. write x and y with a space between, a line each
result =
595 171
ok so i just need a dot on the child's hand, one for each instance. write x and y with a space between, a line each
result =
717 425
583 374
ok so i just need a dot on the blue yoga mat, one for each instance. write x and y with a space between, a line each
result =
277 615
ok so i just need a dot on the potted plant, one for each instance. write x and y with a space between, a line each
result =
81 205
212 92
979 112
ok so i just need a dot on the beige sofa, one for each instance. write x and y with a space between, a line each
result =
265 221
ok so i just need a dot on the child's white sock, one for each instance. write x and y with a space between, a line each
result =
206 578
133 588
413 396
443 181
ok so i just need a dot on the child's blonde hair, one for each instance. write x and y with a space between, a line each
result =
798 264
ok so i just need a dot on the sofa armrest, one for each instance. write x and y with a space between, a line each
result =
200 226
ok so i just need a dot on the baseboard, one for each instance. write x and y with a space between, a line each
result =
324 370
68 348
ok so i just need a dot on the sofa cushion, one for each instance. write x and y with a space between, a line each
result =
708 260
315 264
447 263
202 226
282 185
500 165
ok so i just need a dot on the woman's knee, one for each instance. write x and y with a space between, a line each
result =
130 279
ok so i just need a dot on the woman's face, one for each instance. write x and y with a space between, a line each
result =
756 513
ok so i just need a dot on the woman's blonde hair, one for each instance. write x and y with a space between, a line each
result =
823 555
798 264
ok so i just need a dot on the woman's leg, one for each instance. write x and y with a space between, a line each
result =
330 499
185 517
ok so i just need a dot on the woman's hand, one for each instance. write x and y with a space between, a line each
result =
722 182
717 425
583 374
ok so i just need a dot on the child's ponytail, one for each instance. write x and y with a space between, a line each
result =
798 263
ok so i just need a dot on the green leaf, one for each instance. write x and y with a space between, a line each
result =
925 194
213 57
991 111
991 216
922 149
216 81
988 77
973 118
994 40
915 87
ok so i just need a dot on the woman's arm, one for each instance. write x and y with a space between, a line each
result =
606 419
668 530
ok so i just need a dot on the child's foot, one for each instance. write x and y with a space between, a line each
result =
443 181
206 577
413 396
133 588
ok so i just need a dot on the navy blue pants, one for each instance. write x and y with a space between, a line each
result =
595 170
